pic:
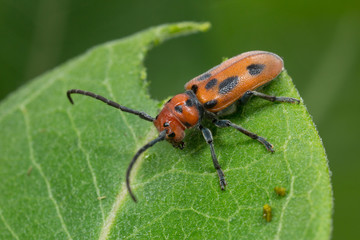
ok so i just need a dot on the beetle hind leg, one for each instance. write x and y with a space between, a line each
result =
228 123
270 98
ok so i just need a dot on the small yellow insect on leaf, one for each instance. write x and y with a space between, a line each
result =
267 212
281 191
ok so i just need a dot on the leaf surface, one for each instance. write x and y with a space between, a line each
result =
63 167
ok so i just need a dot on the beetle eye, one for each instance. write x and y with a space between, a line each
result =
166 124
172 135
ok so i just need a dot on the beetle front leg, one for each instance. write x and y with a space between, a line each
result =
227 123
209 139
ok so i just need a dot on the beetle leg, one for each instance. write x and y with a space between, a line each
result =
248 94
245 98
209 139
227 123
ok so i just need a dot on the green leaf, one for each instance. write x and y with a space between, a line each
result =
59 161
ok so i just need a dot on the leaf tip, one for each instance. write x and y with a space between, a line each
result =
205 26
184 28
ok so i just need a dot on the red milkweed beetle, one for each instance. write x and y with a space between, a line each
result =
209 95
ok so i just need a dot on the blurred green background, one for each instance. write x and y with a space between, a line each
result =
319 41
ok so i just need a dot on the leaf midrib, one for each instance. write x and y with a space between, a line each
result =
121 196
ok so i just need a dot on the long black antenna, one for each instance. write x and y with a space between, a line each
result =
142 115
161 137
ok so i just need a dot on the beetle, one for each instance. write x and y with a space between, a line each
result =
208 95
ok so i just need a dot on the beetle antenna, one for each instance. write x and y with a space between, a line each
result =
142 115
161 137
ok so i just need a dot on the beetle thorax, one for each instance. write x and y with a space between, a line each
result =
179 113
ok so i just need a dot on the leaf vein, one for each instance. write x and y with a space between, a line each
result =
8 226
151 223
38 167
277 236
171 171
107 84
172 209
93 175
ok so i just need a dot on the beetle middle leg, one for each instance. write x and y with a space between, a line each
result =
228 123
209 139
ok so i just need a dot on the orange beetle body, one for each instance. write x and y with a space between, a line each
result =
206 96
222 85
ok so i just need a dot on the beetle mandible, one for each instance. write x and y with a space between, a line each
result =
207 96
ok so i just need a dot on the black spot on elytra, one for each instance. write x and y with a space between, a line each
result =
166 124
210 104
228 84
212 83
187 124
204 76
169 100
255 69
189 102
178 108
194 88
171 135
